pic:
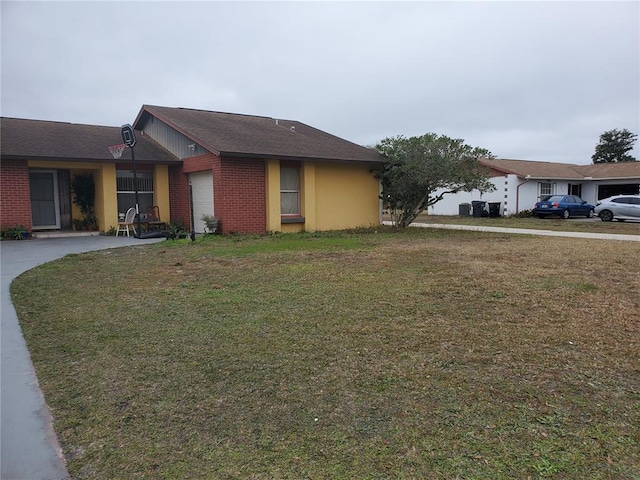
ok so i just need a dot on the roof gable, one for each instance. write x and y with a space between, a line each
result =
47 140
229 134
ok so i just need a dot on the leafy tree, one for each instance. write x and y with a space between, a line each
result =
420 171
614 145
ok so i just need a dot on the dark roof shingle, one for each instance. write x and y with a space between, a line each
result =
564 171
47 140
230 134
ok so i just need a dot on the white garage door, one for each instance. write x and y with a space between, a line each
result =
202 190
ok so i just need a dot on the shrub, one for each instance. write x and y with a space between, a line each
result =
523 214
18 232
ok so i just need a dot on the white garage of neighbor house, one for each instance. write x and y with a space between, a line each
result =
520 184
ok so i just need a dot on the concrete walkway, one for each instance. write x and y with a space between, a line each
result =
29 446
528 231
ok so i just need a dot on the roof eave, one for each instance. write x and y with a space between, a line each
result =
580 179
36 158
538 177
299 158
636 178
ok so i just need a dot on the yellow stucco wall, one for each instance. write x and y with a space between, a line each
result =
272 172
104 177
106 205
333 196
161 191
347 196
309 200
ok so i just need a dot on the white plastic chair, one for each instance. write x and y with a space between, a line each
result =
127 223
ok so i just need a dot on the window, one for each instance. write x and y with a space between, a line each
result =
545 189
126 191
289 191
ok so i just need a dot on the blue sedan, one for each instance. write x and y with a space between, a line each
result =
564 206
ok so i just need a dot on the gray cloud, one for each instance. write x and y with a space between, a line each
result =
531 80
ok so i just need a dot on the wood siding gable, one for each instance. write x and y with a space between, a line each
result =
171 139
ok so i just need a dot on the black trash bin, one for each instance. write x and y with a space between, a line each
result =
494 209
464 209
479 208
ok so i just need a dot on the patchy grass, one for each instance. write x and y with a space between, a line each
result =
413 354
557 224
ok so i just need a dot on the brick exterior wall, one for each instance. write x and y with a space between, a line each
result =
239 191
200 163
239 187
15 199
240 195
179 196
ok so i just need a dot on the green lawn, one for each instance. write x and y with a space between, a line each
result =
373 354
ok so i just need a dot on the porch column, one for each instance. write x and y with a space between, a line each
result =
106 204
273 195
161 191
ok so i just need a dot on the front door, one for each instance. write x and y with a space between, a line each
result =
575 189
202 197
45 209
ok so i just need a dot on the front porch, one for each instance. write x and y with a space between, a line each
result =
55 212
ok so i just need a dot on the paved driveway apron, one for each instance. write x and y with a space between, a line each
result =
29 446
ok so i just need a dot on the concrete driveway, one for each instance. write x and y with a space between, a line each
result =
29 446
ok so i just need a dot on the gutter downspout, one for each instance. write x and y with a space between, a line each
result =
527 178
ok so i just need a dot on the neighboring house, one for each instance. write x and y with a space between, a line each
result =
520 184
255 174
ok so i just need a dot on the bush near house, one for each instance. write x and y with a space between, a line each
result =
15 233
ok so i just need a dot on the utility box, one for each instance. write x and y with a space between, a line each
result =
464 209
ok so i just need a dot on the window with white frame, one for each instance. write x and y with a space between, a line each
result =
546 188
126 191
289 190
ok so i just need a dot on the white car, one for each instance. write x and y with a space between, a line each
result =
619 207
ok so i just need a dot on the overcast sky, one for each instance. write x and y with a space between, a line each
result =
526 80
